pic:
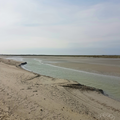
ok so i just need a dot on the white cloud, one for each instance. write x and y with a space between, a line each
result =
31 24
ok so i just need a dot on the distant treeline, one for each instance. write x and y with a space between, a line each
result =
95 56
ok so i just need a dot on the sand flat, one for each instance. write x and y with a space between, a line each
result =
106 66
28 96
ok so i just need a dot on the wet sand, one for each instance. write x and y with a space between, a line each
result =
106 66
28 96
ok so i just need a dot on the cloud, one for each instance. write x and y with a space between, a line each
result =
32 24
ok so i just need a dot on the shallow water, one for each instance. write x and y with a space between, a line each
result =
110 84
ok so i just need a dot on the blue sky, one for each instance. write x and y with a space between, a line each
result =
60 27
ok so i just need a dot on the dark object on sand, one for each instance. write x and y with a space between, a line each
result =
84 88
24 63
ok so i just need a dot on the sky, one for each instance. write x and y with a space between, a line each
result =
66 27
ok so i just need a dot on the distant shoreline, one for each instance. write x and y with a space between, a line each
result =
95 56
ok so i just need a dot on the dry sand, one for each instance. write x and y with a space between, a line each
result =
28 96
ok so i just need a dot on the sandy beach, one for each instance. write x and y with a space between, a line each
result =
29 96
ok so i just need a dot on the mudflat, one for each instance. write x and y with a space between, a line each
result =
28 96
106 66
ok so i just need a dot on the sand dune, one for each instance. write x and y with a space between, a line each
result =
28 96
